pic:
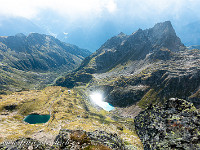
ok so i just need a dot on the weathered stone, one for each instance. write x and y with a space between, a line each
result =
173 131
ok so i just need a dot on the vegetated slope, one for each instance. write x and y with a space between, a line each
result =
74 121
36 58
148 66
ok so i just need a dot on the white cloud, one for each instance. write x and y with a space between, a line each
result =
93 9
69 8
88 13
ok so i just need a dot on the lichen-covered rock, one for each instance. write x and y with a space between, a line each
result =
71 140
24 144
79 139
176 125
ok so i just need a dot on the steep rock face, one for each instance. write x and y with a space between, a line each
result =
173 126
175 76
39 52
163 35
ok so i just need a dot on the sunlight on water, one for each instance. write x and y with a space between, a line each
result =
97 98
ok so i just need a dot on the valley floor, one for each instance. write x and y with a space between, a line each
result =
68 111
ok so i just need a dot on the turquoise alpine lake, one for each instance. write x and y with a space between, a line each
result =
107 107
36 118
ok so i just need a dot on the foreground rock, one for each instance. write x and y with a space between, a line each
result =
71 140
79 139
176 125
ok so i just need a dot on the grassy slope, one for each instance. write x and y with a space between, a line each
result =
68 111
12 79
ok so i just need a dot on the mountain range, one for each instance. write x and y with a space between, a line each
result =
94 36
150 77
148 64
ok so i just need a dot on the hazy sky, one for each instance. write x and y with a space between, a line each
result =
93 9
66 16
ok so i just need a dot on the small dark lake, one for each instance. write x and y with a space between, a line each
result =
36 118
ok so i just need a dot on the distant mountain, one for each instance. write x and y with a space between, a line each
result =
39 52
189 33
36 58
194 47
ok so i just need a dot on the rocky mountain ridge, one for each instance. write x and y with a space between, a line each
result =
148 66
136 46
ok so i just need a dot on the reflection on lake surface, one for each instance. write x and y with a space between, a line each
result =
97 98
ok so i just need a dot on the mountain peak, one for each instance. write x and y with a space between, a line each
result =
121 34
21 35
164 24
164 27
164 35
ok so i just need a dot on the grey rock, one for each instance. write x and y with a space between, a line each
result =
178 131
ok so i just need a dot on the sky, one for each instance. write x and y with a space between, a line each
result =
67 19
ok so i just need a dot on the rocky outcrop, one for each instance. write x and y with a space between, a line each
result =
71 140
24 144
173 126
163 35
78 139
74 79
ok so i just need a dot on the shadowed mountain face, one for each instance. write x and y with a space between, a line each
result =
39 52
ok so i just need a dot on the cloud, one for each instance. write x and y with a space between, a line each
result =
91 10
74 9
